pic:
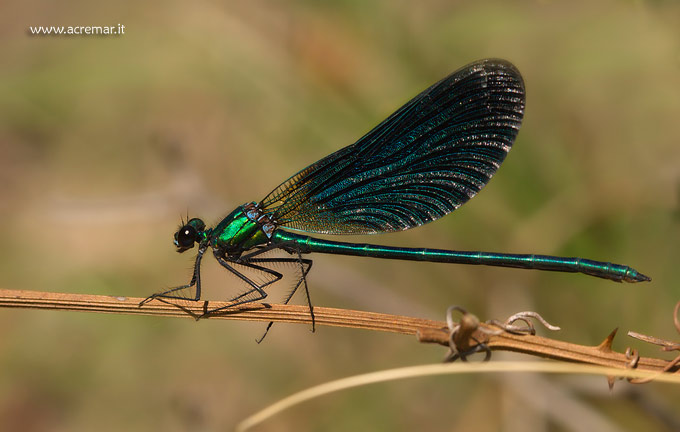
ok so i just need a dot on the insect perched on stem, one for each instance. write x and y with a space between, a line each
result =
424 161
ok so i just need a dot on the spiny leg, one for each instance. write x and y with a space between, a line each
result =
247 280
305 266
255 288
309 263
292 248
195 281
250 258
242 260
295 249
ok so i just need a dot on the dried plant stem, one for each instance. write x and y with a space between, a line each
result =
438 369
426 330
188 309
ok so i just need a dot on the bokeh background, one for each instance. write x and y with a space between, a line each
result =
202 106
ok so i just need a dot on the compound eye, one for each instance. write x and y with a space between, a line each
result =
186 236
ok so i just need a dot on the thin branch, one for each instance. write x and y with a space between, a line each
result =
435 369
191 309
428 331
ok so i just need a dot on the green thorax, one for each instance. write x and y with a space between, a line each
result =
243 229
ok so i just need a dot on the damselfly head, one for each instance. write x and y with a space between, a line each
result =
188 234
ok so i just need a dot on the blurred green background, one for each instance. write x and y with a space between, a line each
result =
106 141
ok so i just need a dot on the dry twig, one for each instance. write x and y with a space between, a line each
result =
491 335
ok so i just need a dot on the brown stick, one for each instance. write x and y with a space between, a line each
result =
426 330
192 309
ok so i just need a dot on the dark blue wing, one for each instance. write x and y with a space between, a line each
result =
424 161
